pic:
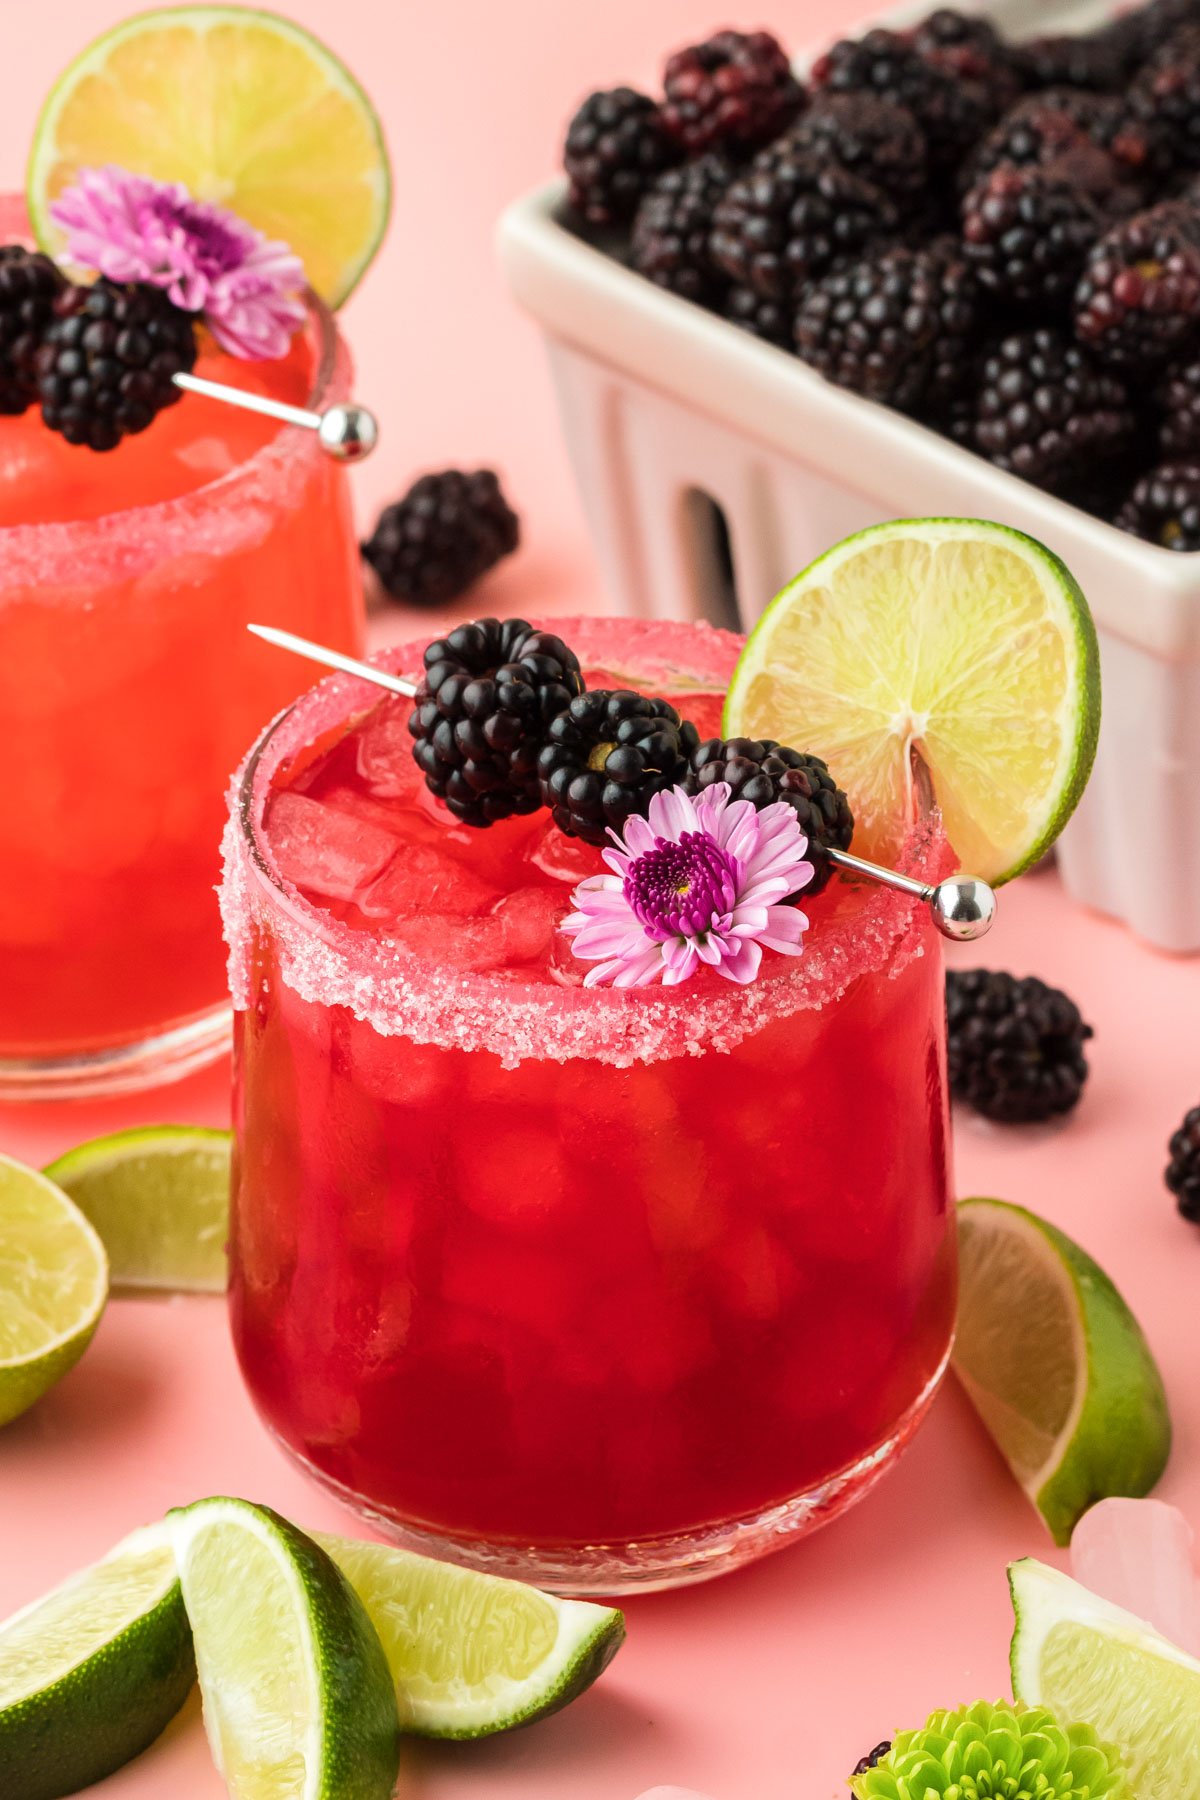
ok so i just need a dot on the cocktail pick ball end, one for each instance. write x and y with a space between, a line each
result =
348 432
963 908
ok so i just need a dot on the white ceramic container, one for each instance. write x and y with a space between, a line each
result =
713 467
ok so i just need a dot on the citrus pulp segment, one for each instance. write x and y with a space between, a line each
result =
53 1286
93 1672
1087 1659
245 109
472 1654
159 1197
298 1699
955 646
1056 1365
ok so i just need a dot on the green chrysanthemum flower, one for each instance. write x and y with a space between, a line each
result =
999 1752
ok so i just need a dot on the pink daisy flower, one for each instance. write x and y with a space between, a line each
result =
699 882
206 259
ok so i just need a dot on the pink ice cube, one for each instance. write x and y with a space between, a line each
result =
324 851
1138 1555
385 758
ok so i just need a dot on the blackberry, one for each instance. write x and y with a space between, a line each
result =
106 361
1047 411
1042 128
1164 507
895 326
1097 60
1178 398
446 531
672 226
1153 25
871 138
972 49
29 285
1026 232
951 110
616 145
1183 1170
762 771
790 217
607 755
872 1759
770 320
1166 95
735 91
1138 299
489 694
1015 1047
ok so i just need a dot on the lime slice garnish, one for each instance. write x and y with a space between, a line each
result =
1056 1365
962 643
298 1700
243 107
1087 1659
53 1285
91 1674
472 1654
159 1197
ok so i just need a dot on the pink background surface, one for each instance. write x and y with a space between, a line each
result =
769 1684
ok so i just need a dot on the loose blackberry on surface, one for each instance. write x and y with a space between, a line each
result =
447 531
1027 231
951 110
672 226
872 138
895 326
489 694
763 772
1183 1170
1138 298
607 755
29 285
1049 412
616 145
1015 1046
107 360
735 91
1164 507
790 217
872 1759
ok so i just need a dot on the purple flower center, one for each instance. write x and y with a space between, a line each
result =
218 246
678 890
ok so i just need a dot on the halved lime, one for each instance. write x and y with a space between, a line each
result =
1056 1365
298 1700
244 108
1087 1659
959 645
53 1285
159 1197
472 1654
91 1674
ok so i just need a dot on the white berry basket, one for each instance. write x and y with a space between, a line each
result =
714 467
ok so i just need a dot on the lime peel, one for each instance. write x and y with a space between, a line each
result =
53 1286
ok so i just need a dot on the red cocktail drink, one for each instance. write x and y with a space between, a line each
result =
130 684
601 1287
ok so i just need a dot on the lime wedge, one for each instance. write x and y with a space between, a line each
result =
91 1674
1089 1660
159 1197
243 107
472 1654
298 1701
53 1285
960 645
1056 1365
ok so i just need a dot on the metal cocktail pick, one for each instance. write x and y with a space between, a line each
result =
345 430
962 907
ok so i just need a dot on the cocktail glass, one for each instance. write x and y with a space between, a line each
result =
128 689
607 1290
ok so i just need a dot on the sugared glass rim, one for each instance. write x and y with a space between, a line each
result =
400 994
127 541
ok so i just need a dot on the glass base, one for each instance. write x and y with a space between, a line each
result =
651 1564
120 1068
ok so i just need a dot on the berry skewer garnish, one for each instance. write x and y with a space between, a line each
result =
103 359
962 907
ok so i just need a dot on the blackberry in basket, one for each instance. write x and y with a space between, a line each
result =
872 138
736 91
1026 232
672 227
1138 299
1164 507
1049 412
616 145
790 217
952 111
